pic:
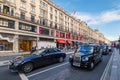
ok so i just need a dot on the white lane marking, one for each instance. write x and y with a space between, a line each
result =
4 63
23 76
106 68
47 70
114 66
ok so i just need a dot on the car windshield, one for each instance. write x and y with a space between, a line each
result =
102 47
38 52
85 48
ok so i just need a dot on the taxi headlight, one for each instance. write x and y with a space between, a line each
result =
85 58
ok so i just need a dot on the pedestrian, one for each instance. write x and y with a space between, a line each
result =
119 47
33 49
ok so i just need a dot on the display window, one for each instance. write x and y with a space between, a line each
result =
5 45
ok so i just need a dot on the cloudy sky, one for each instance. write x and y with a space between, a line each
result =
103 15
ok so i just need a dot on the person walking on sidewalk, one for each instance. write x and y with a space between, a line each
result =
119 48
33 49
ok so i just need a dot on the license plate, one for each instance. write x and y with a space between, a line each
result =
76 64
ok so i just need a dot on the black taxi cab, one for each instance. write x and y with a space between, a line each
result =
86 56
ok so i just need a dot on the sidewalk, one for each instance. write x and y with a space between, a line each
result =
115 69
112 70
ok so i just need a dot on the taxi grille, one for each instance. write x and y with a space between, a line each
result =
77 59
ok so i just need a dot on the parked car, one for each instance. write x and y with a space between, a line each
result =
104 49
36 59
86 56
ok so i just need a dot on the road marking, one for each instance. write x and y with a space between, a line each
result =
47 70
4 63
114 66
103 77
23 76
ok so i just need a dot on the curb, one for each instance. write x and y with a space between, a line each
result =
14 54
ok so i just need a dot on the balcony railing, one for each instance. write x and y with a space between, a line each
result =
16 15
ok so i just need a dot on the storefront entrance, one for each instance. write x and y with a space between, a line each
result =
61 44
25 45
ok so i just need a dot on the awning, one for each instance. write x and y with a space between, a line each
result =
61 41
69 41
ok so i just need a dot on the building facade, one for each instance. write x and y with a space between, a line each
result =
41 23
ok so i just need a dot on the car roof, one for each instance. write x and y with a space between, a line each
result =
94 44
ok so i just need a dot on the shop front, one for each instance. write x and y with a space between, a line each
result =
61 44
46 43
6 42
69 44
26 43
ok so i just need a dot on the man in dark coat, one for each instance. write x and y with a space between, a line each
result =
33 49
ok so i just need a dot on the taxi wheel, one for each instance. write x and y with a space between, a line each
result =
91 66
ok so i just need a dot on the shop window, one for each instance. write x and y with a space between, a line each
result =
5 45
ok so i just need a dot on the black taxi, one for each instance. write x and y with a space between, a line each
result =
86 56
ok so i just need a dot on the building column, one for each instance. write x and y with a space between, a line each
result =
16 38
16 44
16 25
37 42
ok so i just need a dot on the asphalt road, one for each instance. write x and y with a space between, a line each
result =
58 71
